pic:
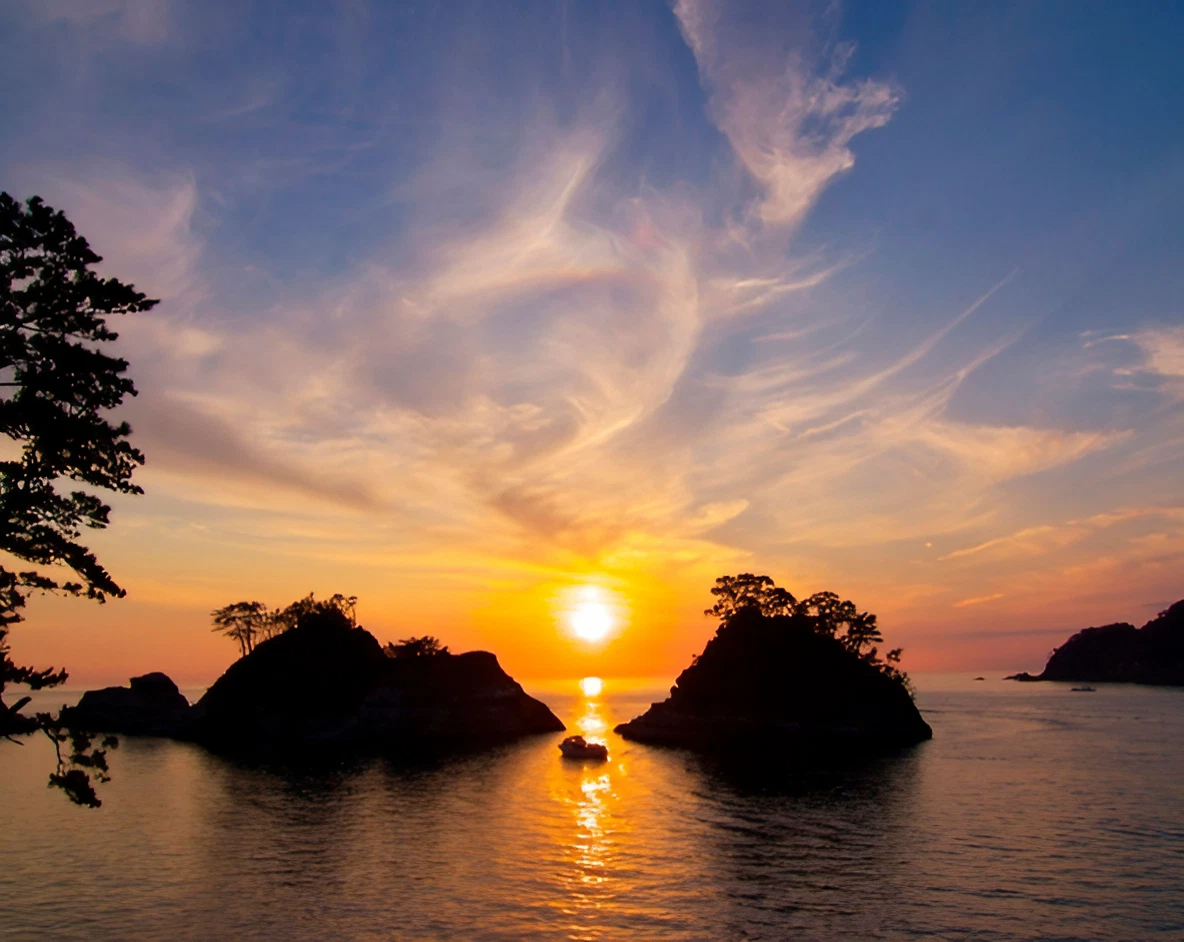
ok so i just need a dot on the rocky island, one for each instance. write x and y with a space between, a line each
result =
326 682
780 674
151 706
1121 653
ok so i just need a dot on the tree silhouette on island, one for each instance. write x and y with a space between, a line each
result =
783 674
248 623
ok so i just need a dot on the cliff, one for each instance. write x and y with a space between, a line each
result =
1122 653
774 683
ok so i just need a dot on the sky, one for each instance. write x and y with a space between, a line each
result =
478 310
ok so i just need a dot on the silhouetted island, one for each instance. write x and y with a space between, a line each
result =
773 682
151 706
1121 653
327 682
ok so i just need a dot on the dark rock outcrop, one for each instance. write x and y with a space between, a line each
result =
305 685
1122 653
151 706
327 683
332 684
776 684
454 698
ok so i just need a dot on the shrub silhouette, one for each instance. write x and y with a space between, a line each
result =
427 646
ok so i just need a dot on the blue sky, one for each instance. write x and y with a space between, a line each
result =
493 298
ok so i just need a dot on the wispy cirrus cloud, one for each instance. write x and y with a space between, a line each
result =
789 120
520 360
138 21
980 600
1046 538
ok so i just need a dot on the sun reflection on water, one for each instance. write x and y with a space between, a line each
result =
588 792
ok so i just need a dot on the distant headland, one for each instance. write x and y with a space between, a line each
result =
1121 653
784 674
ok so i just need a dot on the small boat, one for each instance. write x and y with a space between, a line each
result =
1086 689
577 747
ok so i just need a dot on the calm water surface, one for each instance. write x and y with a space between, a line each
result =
1035 813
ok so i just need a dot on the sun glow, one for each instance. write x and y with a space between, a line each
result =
591 686
590 613
591 621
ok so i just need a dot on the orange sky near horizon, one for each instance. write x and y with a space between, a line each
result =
519 608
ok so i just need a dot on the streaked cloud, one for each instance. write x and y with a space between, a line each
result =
138 21
978 601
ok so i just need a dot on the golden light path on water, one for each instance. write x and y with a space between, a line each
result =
592 807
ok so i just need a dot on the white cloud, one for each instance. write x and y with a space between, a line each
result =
789 124
1163 349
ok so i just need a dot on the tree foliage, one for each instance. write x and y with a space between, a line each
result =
427 646
249 623
747 590
299 611
56 388
829 614
244 622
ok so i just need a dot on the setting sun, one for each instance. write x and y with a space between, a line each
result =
591 686
592 621
590 613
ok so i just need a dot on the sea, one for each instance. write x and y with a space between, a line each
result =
1036 812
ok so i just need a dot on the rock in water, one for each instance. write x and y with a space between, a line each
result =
1122 653
774 683
326 682
151 706
1023 677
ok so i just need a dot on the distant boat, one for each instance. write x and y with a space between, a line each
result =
576 747
1084 689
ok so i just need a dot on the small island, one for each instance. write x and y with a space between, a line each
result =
321 680
1121 654
783 674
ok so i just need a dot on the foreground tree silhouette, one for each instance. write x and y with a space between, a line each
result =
56 385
